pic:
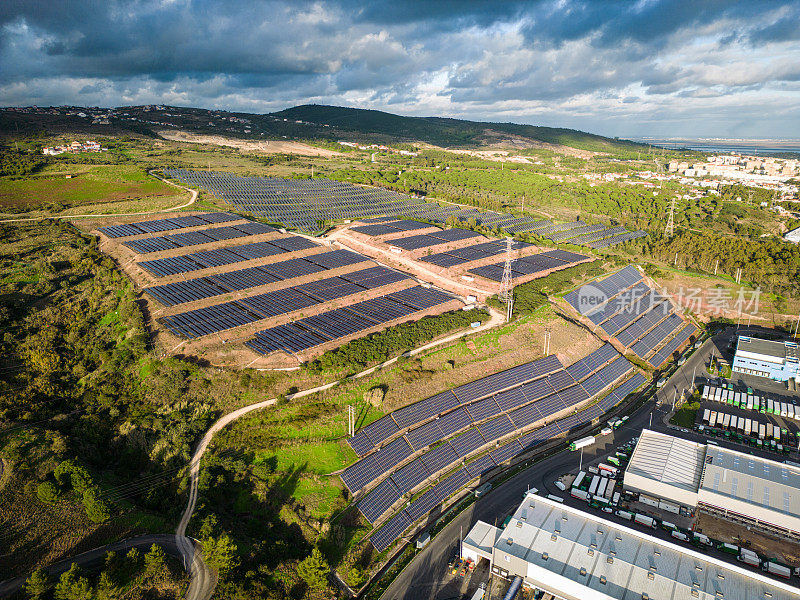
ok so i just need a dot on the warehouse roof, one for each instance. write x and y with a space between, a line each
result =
568 550
669 460
781 350
755 480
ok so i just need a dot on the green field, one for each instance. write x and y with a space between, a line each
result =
87 185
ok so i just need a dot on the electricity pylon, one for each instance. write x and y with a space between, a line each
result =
506 293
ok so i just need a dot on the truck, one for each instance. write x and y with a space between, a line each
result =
613 460
604 468
479 593
728 549
560 485
576 483
777 569
700 539
769 430
582 443
580 494
712 420
679 535
601 487
645 520
667 526
726 420
624 514
595 482
606 431
749 557
706 415
762 431
555 498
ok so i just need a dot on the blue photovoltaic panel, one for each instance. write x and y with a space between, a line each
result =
371 467
550 405
630 385
467 442
440 458
360 443
224 233
380 430
480 466
511 399
219 217
145 245
593 384
454 421
448 486
424 504
483 409
388 534
497 428
379 500
526 415
507 379
374 230
506 452
251 228
537 389
425 409
560 380
117 231
336 258
424 435
573 395
410 476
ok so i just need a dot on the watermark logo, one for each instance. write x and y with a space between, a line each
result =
590 299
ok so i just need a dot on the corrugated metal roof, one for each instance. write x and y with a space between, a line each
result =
668 460
619 561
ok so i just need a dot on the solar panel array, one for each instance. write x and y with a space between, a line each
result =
415 242
388 494
583 234
672 345
163 267
625 307
528 265
193 238
341 322
157 225
219 317
532 392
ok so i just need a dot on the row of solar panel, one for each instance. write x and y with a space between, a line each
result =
219 317
375 434
415 242
172 294
672 345
529 265
427 502
158 225
655 337
194 238
162 267
593 296
312 331
615 240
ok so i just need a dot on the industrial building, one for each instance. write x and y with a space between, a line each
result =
755 491
779 361
576 555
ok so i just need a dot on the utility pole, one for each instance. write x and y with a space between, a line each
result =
580 465
506 293
669 230
716 264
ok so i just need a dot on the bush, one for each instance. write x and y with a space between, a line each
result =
36 586
314 570
47 492
96 509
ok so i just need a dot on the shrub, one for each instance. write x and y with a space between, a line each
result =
47 492
36 586
96 509
314 570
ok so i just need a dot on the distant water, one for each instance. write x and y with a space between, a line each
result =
761 147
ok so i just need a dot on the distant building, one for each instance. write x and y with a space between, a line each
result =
793 236
779 361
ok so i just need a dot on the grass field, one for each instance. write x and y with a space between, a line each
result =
103 187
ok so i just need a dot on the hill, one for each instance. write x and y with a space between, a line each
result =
450 132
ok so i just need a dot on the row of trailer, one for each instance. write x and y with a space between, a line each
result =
701 540
749 401
763 434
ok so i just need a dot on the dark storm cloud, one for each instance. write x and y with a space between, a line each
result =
456 57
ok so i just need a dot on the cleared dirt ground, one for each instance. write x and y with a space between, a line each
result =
733 533
265 147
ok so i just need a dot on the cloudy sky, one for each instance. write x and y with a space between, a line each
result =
663 68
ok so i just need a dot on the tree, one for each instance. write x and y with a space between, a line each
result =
36 585
47 492
96 509
220 553
106 588
71 586
314 570
154 560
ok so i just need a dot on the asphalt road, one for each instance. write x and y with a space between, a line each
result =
427 577
94 558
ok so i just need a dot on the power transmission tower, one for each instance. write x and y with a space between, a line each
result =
669 230
506 293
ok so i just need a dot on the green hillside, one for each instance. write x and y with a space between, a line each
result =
447 132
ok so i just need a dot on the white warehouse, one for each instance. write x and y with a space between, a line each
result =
746 488
576 555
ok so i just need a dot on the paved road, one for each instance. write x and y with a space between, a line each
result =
426 578
95 558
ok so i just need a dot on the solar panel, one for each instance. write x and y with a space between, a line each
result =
483 409
506 452
189 238
379 500
511 399
117 231
507 379
467 442
420 297
145 245
440 458
454 421
251 228
480 466
526 415
336 258
360 443
389 533
497 428
423 505
411 475
380 430
425 409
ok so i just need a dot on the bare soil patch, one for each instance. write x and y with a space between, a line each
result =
265 147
